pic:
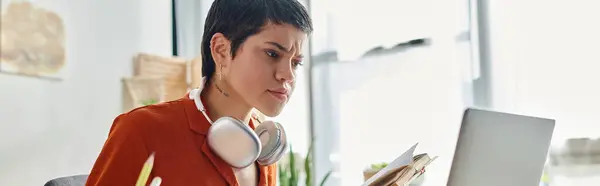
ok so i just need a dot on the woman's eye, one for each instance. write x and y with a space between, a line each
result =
297 63
272 54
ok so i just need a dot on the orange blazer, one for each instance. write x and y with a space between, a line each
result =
176 132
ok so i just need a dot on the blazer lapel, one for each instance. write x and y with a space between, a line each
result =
224 169
263 179
200 126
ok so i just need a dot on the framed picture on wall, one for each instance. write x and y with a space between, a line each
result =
32 39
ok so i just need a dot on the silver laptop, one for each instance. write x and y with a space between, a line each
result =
500 149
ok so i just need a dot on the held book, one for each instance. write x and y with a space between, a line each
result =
400 172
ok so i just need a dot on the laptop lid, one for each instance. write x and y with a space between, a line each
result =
500 149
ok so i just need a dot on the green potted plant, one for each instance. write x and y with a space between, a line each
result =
289 172
149 102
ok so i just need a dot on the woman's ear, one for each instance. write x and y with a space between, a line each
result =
220 48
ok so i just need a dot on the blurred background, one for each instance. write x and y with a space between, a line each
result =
382 75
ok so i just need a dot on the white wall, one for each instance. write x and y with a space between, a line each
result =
50 129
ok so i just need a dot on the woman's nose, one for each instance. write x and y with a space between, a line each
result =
285 72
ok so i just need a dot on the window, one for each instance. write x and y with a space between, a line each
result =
545 64
372 109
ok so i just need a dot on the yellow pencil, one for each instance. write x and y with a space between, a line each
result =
156 181
145 173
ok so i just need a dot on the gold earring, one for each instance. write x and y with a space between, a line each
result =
220 71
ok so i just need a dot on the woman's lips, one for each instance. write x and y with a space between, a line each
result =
279 95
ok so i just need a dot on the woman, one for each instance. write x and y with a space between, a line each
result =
250 51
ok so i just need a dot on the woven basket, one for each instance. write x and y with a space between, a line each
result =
141 91
172 71
196 72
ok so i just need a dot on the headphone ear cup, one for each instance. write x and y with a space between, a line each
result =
282 149
234 142
274 141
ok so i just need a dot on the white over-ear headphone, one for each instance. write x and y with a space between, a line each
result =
237 144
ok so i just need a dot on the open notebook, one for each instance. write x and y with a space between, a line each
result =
402 171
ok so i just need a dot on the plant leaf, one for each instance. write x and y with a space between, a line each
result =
324 180
282 176
148 102
308 166
293 170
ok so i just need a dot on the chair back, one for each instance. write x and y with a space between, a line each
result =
77 180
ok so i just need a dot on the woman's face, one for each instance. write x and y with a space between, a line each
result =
263 72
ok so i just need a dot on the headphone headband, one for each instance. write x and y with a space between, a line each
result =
195 95
265 153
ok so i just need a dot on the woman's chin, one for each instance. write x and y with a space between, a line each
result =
271 112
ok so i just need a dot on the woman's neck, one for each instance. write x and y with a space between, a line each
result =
220 103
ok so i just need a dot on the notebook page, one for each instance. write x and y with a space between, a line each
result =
402 160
